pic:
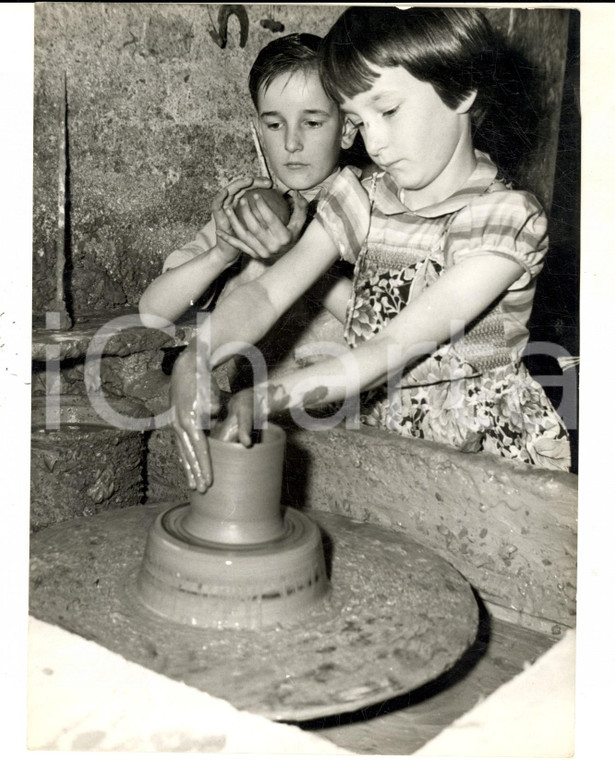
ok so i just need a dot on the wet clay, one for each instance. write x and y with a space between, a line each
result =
242 506
234 557
397 616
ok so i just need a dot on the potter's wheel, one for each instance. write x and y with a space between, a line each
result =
397 617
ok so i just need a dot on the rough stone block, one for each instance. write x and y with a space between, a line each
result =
165 477
80 470
510 529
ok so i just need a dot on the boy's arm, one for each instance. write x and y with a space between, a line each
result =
176 289
244 317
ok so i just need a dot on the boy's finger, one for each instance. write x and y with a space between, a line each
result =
271 220
187 469
239 244
218 199
238 187
245 235
250 220
195 443
189 461
299 213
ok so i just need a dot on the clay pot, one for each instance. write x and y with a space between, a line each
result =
273 198
243 504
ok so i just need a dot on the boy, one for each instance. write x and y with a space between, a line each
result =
302 133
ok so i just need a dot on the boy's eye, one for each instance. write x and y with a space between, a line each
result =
273 125
314 124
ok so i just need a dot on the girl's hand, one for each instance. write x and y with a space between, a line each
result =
239 421
188 423
226 198
264 236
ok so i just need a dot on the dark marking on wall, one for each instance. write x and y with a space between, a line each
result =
220 35
274 26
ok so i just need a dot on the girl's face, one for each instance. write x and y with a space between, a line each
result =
410 133
301 129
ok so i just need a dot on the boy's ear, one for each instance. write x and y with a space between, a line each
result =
466 103
349 132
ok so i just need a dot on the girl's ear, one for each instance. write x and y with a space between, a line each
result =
466 103
349 132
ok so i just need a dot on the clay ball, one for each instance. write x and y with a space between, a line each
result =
273 198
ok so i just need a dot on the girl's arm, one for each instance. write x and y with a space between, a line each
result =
440 312
245 316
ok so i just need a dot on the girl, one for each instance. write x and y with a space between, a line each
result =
446 257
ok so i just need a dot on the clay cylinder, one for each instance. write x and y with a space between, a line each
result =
242 506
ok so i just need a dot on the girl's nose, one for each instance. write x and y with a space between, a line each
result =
293 141
374 140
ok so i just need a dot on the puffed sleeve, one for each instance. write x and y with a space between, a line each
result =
343 210
509 223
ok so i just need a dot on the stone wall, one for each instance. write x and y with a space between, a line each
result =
510 529
158 117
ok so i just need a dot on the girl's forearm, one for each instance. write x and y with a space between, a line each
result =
174 291
331 380
433 318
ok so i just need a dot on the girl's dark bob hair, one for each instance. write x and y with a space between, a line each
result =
453 49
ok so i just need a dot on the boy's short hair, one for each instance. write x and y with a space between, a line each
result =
293 52
453 49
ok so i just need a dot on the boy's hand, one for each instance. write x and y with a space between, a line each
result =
187 422
264 236
226 198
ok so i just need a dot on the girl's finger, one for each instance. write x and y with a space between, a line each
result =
245 422
226 430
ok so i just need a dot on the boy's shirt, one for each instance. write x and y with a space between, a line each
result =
246 269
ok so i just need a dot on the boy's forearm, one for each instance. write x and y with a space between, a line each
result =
174 291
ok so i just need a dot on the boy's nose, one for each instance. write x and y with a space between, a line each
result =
293 141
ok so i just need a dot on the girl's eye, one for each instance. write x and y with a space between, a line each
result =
273 125
391 111
314 124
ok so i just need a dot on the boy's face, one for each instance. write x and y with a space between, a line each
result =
412 134
300 128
